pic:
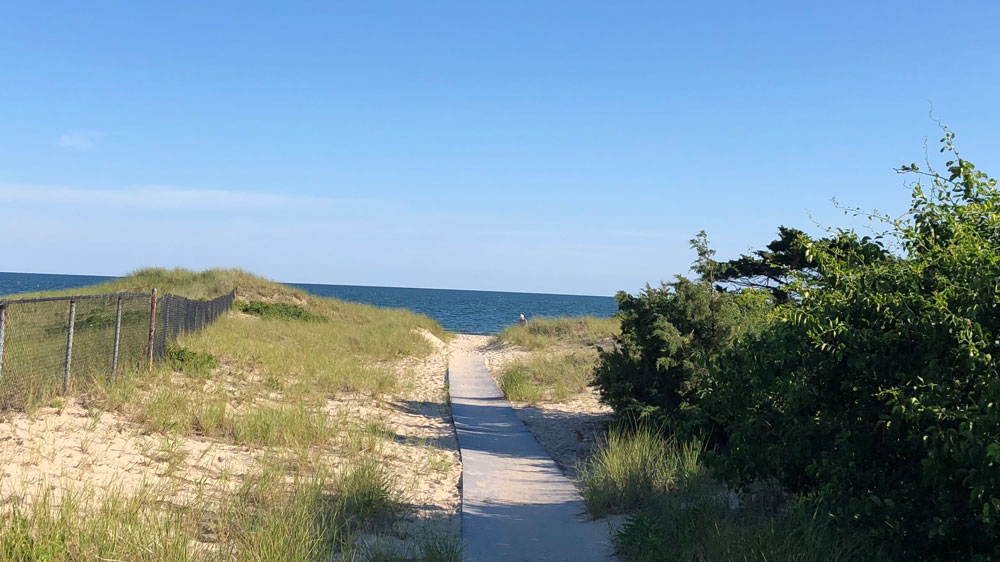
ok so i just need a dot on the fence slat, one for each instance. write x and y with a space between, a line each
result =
118 333
69 345
3 326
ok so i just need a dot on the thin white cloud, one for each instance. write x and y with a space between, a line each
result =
161 197
80 140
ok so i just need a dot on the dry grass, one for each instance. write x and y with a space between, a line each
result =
268 518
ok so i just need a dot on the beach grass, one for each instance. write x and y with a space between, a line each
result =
265 519
560 359
632 466
676 513
541 333
548 377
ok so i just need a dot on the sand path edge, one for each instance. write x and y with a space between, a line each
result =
516 504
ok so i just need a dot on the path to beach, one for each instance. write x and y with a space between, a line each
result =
516 505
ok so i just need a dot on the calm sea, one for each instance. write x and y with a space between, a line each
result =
469 312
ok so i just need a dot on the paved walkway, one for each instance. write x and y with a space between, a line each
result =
516 504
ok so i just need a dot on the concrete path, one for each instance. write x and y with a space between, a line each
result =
516 504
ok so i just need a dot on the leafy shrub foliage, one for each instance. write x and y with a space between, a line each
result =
874 389
190 362
672 337
882 388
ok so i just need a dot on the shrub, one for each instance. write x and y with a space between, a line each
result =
671 338
878 392
190 362
873 391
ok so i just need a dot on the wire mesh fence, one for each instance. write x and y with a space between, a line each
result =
46 343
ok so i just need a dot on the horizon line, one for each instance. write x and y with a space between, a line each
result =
293 283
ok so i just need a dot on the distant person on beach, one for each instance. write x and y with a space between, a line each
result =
523 321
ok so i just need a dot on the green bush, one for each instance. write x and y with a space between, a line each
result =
878 392
190 362
278 310
875 389
671 338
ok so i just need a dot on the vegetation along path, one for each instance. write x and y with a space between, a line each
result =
516 504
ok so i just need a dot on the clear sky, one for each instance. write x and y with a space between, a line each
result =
570 147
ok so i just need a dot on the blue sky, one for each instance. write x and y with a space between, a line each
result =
529 146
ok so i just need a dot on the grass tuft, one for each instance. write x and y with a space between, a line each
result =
440 548
367 491
633 466
167 409
700 528
293 425
677 514
553 377
516 384
267 523
76 527
311 519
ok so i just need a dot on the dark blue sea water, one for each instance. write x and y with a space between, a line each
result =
13 283
469 312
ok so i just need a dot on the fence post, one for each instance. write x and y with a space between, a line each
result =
152 329
118 331
69 345
3 322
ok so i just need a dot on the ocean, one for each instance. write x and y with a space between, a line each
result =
465 312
